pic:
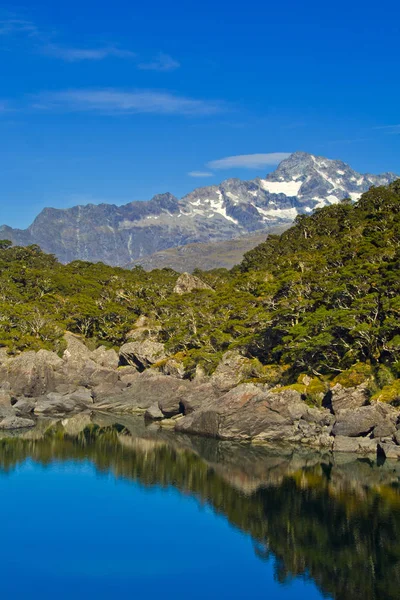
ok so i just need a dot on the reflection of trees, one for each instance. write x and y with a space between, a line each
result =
314 521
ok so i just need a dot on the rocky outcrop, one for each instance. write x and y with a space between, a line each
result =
187 283
223 406
254 413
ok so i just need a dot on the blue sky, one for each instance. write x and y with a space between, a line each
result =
119 101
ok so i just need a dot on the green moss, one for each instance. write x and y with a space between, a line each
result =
312 389
389 393
297 387
356 375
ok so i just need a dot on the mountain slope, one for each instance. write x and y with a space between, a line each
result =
119 235
205 256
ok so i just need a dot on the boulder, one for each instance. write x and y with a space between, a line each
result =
14 422
187 283
81 395
171 367
389 450
146 389
141 354
153 413
362 421
384 429
34 373
24 407
249 412
232 369
341 398
359 445
59 404
196 395
76 350
59 407
104 390
105 358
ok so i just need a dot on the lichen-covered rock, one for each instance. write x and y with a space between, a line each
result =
187 283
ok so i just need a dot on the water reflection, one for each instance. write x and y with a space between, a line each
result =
334 520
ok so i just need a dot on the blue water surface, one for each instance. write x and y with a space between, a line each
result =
68 531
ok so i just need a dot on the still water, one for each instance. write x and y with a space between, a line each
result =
95 508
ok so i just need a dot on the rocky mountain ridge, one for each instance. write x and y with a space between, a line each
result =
119 235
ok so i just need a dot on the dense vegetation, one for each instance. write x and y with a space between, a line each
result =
320 298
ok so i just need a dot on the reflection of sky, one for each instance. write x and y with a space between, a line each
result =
67 532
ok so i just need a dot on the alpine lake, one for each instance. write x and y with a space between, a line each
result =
103 507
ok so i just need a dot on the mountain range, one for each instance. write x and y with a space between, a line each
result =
124 235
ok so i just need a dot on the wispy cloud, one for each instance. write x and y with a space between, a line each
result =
18 26
200 174
79 54
248 161
389 128
163 62
43 42
113 101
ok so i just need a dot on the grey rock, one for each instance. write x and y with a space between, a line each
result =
81 395
384 429
76 348
197 395
361 421
232 369
33 373
24 407
187 283
127 380
346 398
153 413
105 358
389 450
142 354
14 422
359 445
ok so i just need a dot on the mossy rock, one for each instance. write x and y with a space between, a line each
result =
311 388
389 394
356 375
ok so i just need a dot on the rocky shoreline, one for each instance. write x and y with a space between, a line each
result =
141 379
